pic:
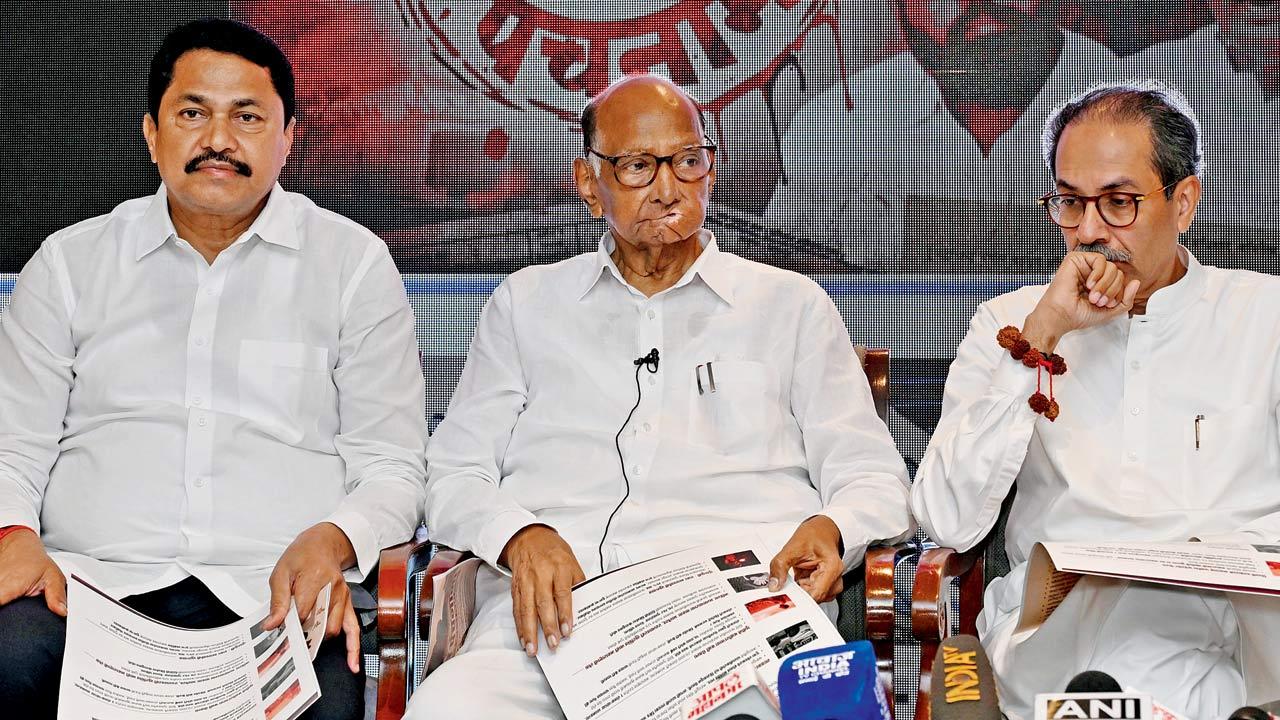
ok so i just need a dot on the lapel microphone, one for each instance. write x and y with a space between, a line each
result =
650 361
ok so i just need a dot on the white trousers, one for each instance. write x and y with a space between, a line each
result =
491 677
1181 646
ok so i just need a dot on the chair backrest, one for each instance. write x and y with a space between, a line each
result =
852 621
995 557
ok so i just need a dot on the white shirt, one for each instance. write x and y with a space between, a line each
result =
1238 122
163 417
790 432
1121 462
860 173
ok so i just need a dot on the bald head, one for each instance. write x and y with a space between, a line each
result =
637 103
640 125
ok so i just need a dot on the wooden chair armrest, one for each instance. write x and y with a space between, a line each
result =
395 566
930 614
442 561
937 568
881 564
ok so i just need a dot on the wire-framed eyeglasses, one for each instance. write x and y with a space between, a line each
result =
1117 208
637 170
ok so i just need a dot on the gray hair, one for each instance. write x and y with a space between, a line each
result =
1176 151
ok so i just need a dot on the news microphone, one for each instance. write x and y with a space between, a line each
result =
650 361
1251 713
1094 706
740 695
962 687
1093 681
835 683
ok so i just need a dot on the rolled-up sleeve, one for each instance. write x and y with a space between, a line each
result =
36 354
466 506
977 450
853 462
381 408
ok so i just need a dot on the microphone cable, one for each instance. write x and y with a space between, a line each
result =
648 362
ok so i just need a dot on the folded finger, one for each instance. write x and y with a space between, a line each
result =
339 601
1131 292
351 627
280 583
55 592
823 581
1097 266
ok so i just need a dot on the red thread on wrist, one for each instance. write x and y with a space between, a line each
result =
1010 338
8 530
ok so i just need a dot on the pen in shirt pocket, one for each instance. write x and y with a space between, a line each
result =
711 378
1199 419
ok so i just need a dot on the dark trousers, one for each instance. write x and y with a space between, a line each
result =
32 640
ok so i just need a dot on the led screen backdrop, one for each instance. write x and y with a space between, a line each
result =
888 147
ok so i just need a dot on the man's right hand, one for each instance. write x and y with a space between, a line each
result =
543 571
1087 290
26 570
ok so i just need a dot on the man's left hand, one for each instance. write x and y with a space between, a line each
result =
813 553
314 559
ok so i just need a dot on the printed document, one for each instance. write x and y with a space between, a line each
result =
649 636
121 665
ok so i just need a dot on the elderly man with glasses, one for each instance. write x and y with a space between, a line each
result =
645 398
1133 398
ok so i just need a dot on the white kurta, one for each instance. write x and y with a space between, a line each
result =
790 432
853 173
1120 463
1238 121
161 416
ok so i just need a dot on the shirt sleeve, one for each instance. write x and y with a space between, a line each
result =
36 354
381 411
981 440
466 507
852 459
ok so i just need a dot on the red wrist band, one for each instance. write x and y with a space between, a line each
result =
1010 338
11 529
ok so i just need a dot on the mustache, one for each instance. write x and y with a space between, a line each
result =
215 156
1106 251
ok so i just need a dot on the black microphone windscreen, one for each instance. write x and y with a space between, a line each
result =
1250 713
962 686
1093 681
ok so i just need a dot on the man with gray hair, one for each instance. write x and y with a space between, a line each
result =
1132 398
564 456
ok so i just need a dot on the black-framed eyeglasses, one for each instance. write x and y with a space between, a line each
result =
1118 209
637 170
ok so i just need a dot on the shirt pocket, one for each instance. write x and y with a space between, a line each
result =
1225 449
279 383
736 417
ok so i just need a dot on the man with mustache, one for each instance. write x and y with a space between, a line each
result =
1230 71
1160 423
753 418
933 141
209 397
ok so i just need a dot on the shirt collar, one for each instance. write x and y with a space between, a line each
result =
1172 299
710 267
274 224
